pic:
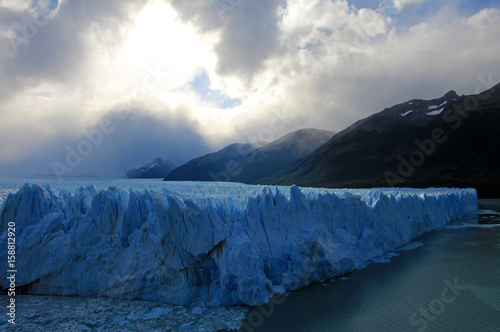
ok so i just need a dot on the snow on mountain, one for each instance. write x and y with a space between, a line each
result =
433 107
159 168
228 244
413 112
436 109
437 112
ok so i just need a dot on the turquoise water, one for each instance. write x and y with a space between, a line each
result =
450 283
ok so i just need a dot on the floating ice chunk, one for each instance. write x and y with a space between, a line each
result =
462 226
197 311
187 327
381 260
118 319
157 313
410 246
490 212
384 258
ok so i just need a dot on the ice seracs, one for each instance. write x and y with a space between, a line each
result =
210 250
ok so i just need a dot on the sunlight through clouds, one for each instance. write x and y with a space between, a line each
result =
322 64
161 43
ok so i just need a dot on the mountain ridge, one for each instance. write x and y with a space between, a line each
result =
464 135
248 163
159 168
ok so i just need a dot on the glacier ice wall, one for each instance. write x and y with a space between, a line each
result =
210 251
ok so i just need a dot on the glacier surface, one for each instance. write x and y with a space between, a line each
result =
210 244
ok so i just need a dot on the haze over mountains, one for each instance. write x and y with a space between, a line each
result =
448 141
249 163
159 168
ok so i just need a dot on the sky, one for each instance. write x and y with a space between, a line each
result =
98 87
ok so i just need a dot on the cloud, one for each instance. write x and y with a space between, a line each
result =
341 64
62 73
248 32
400 4
250 37
15 5
197 75
117 142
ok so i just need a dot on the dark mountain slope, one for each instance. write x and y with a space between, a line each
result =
456 147
250 163
416 112
216 166
280 154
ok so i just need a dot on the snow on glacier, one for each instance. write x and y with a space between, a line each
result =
205 244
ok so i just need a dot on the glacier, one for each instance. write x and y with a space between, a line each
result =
209 244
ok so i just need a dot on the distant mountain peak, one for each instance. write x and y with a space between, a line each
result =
250 163
452 94
415 112
159 168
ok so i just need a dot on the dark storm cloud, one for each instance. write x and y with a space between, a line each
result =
116 143
56 47
249 38
202 14
249 32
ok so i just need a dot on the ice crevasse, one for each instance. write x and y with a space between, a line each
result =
210 251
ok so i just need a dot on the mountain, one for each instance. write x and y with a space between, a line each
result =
416 112
159 168
278 155
216 166
250 163
452 141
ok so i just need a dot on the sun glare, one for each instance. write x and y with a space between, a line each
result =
162 46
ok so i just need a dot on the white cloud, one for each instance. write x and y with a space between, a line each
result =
400 4
485 19
15 5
